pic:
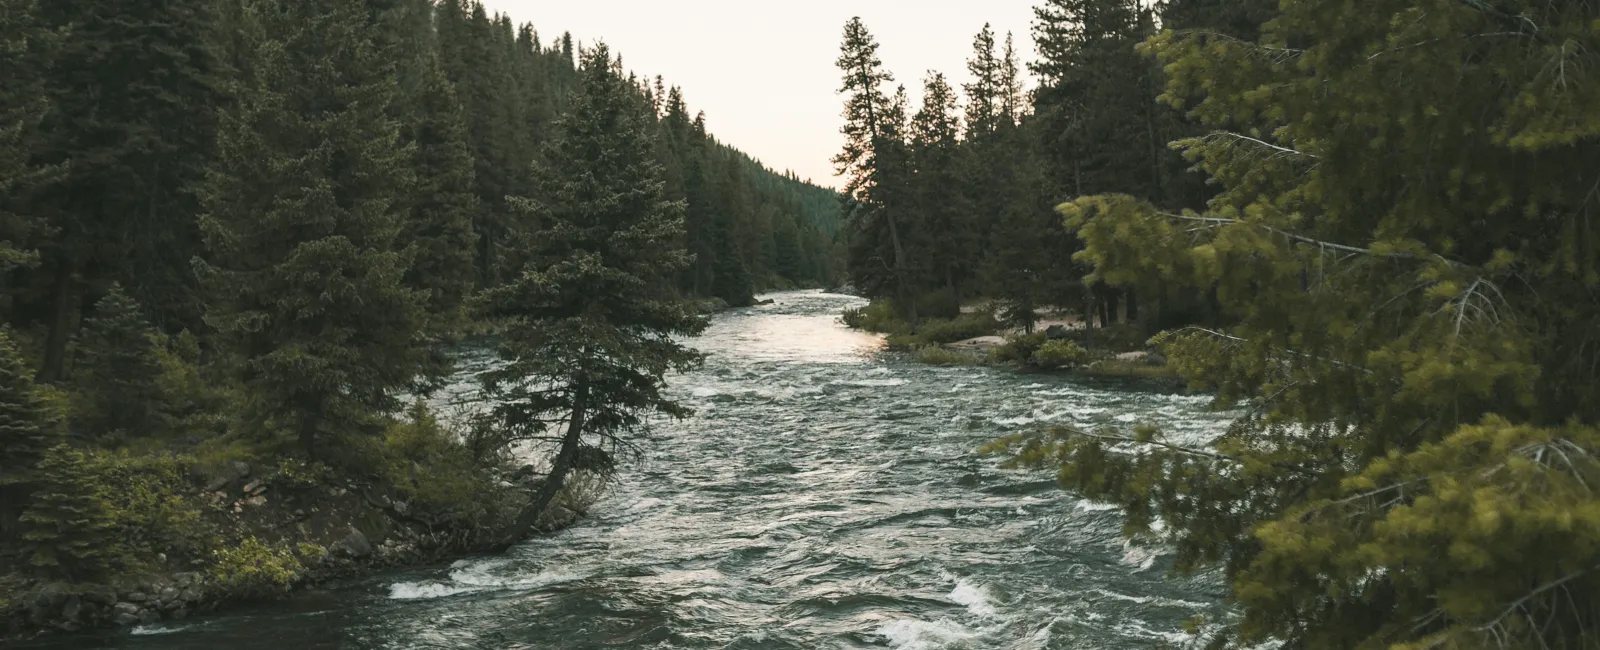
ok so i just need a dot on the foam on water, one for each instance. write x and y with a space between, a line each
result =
976 598
943 634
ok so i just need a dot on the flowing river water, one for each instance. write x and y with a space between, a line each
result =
825 495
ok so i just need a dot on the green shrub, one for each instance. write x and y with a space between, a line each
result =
879 316
297 473
937 331
148 499
1059 354
428 464
937 355
256 569
1019 349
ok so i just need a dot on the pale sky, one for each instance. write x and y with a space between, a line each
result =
764 71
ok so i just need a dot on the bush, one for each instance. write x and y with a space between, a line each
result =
256 569
1059 354
936 355
880 317
940 331
428 464
1019 349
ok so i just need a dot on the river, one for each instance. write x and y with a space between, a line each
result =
825 495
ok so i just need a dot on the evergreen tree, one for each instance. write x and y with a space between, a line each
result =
25 435
938 200
443 203
1401 243
68 532
306 280
25 50
117 372
873 162
589 329
134 87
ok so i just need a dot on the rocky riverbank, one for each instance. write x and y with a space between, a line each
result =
285 533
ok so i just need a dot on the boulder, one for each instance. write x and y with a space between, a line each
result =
235 471
768 301
1055 332
72 609
149 616
354 545
1133 357
125 614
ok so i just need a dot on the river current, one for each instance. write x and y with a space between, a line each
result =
825 495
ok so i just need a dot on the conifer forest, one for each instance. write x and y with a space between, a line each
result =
1195 324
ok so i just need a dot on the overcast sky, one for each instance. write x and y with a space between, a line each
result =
764 71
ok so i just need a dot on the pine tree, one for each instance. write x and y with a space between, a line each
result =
1401 245
306 281
68 533
873 162
590 324
25 435
26 47
134 86
443 202
118 372
937 198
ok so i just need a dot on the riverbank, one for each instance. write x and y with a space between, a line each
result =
259 531
1060 344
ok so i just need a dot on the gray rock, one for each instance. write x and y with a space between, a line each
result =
72 609
149 616
1055 332
402 507
180 614
129 609
354 545
135 597
169 595
125 619
100 595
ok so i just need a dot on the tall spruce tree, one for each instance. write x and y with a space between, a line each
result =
1402 244
134 87
873 163
936 197
26 48
117 372
68 532
589 315
25 435
305 277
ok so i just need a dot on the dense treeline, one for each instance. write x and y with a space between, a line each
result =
251 230
1378 217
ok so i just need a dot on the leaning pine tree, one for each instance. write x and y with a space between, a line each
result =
588 312
306 278
1406 246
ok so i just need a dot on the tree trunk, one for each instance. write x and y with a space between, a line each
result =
534 511
907 302
1131 300
61 321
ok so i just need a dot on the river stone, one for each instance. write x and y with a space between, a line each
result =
125 619
149 616
355 544
72 609
169 595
